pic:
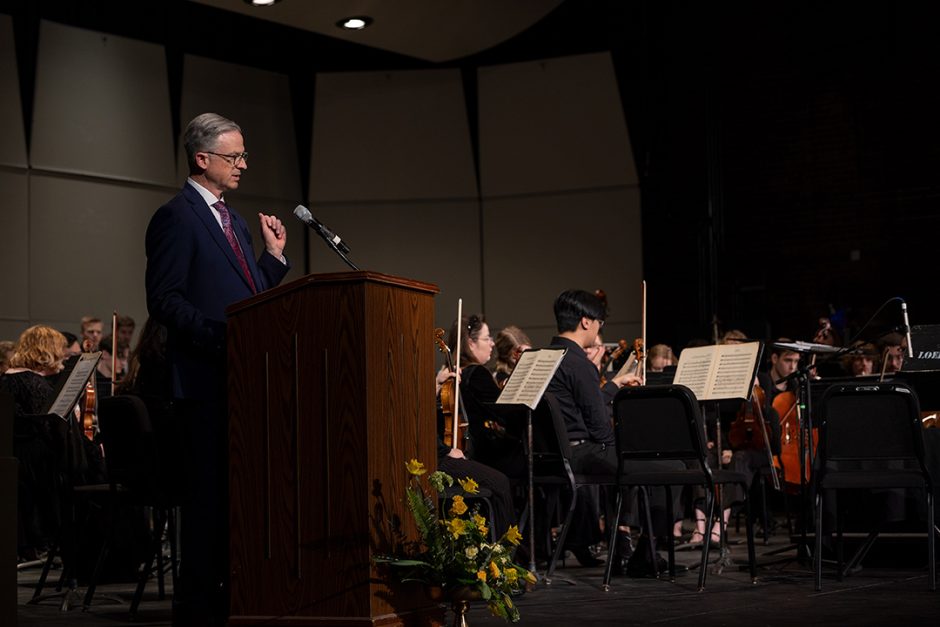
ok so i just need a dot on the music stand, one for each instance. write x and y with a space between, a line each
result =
805 445
524 389
69 387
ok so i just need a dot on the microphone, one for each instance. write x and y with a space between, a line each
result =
303 214
907 330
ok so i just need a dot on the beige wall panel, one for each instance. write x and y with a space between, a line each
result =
391 135
12 137
259 101
102 106
437 242
87 248
14 253
11 329
555 124
535 247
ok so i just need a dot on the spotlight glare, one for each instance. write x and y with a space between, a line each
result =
357 22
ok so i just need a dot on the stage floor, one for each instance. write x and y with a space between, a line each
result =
890 588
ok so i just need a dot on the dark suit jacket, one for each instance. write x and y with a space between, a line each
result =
192 276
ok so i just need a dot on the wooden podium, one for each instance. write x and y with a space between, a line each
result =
331 392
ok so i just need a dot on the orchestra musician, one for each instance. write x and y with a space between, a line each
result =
659 357
861 361
511 342
892 348
489 441
586 407
39 354
477 386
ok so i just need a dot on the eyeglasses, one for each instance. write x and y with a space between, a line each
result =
233 158
600 323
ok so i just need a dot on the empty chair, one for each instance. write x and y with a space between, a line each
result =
870 437
664 423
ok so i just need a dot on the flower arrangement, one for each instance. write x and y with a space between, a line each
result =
454 551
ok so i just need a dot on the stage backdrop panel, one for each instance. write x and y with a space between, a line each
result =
391 136
436 242
259 101
14 253
12 136
535 247
101 107
86 252
550 125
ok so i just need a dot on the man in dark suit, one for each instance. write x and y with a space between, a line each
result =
200 259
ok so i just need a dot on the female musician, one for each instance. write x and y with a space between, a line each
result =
511 342
490 442
38 354
476 350
659 357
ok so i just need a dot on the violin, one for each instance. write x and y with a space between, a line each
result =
449 393
89 410
746 431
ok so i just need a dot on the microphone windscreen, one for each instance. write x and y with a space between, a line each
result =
303 213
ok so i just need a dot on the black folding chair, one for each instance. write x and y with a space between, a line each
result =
664 423
870 437
135 480
551 466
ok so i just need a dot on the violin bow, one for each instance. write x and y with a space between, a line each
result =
456 418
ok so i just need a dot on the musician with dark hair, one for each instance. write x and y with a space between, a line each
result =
586 407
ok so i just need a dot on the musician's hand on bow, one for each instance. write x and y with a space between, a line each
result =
628 378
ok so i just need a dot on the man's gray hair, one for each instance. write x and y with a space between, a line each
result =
202 134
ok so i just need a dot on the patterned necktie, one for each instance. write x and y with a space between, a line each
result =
233 242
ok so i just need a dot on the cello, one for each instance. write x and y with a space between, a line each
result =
786 405
749 429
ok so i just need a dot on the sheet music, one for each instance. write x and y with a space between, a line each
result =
531 377
74 385
719 372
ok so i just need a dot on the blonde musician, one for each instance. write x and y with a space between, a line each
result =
660 356
39 354
511 342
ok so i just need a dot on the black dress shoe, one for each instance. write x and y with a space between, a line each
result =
624 549
585 557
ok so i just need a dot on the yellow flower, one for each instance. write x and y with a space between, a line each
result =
512 535
529 577
458 507
415 467
469 485
494 570
511 575
457 527
481 575
480 522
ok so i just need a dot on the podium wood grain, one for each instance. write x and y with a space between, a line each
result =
331 391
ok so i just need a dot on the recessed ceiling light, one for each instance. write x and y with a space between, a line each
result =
357 22
262 3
